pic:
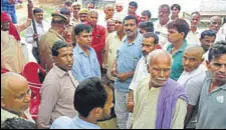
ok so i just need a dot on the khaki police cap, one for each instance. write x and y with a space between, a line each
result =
83 11
59 17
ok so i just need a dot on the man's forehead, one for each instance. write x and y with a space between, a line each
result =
149 40
220 58
130 21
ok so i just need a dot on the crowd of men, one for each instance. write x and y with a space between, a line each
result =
163 74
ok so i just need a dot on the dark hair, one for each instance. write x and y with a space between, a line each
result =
147 13
89 94
218 49
82 27
68 3
134 4
196 12
58 45
37 10
129 17
151 34
209 33
65 11
148 26
177 6
180 25
164 6
17 123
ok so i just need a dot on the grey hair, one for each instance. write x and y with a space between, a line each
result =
93 11
109 5
157 52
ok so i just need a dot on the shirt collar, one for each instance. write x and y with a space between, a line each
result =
182 48
85 124
80 51
59 71
139 36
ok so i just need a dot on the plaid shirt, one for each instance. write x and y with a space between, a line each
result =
7 7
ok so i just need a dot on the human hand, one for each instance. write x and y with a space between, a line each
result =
123 76
30 4
35 36
130 106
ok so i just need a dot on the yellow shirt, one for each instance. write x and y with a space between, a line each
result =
145 108
112 45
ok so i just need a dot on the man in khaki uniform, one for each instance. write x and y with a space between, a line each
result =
69 26
47 40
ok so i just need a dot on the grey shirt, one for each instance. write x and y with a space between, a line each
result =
57 96
212 106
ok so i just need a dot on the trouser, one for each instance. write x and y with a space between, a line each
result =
35 53
121 109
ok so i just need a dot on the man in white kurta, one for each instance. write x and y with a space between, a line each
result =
148 96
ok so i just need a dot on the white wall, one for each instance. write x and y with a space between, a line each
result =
186 5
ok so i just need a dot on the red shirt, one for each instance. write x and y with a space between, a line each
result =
98 41
137 16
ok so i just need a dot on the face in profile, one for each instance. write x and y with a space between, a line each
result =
108 105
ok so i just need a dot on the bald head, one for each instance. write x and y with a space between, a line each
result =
192 58
196 51
14 92
159 55
11 81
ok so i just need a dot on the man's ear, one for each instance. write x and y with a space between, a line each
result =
3 102
97 112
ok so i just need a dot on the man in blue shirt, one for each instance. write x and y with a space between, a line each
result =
86 64
127 57
9 7
177 32
93 101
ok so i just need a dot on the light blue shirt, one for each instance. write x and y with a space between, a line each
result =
127 57
85 66
75 123
177 65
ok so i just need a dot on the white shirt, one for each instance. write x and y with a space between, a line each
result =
162 32
185 76
221 34
41 30
112 45
193 38
140 72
